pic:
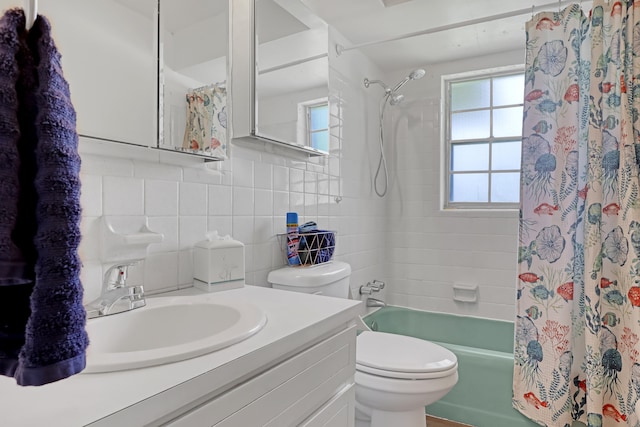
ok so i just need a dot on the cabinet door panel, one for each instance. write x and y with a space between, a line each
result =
260 399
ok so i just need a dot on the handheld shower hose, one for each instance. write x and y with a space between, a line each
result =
393 98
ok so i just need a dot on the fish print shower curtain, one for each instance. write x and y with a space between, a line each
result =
206 128
577 352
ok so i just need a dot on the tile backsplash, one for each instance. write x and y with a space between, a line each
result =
246 197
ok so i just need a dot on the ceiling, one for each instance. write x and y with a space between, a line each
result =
362 21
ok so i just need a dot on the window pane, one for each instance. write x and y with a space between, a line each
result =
472 125
319 117
320 140
469 157
508 90
470 95
507 122
505 187
505 155
471 187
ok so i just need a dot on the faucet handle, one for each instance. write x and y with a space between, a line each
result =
371 287
116 275
377 284
366 289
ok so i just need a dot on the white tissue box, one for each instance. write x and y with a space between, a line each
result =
218 264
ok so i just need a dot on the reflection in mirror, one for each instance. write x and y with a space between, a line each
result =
292 74
193 74
108 58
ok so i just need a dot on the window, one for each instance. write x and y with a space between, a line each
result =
318 126
483 137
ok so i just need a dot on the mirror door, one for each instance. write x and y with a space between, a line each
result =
193 76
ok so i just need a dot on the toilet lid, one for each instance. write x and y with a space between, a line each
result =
399 354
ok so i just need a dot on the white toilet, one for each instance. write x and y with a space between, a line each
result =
396 376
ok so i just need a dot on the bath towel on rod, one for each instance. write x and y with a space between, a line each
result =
42 319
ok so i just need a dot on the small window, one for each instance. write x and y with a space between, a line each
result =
318 126
483 138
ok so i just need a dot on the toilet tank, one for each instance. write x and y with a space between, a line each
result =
329 279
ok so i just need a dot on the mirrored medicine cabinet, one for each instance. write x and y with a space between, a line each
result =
192 70
108 54
268 81
279 74
165 73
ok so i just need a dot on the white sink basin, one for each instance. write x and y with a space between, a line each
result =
168 329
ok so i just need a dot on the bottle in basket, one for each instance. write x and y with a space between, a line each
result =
293 239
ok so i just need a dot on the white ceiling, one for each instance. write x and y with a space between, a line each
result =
362 21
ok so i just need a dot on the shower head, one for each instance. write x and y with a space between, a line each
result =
414 75
417 74
396 98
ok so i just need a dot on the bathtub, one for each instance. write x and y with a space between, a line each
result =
484 349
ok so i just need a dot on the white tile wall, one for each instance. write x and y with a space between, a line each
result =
403 239
431 249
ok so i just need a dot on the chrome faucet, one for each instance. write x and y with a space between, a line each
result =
116 295
370 288
374 302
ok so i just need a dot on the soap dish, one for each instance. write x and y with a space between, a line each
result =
126 238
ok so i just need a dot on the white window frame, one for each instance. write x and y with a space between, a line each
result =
446 81
304 120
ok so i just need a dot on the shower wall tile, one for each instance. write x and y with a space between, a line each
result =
431 249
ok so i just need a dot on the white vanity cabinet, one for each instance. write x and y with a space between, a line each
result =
296 371
312 388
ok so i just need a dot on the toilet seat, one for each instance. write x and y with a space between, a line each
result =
398 356
406 375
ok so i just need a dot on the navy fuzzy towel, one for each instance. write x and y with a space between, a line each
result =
42 319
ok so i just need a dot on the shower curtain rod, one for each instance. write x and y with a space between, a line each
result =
532 9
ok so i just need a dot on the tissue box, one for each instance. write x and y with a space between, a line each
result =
218 264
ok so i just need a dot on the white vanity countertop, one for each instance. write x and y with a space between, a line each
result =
121 398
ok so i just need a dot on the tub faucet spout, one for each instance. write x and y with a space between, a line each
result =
374 302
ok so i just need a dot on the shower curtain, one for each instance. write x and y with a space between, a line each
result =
206 128
577 352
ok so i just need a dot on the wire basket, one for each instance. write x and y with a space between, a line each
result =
314 247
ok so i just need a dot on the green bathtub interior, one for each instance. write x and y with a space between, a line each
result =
484 348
